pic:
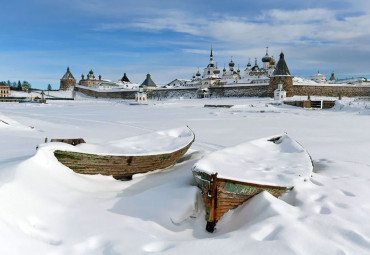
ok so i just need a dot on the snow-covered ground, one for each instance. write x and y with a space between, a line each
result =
45 208
37 93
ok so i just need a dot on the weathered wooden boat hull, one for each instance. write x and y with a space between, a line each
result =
120 167
221 195
71 141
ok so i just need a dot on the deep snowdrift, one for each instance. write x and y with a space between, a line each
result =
279 163
48 209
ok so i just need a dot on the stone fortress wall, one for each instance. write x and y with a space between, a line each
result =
104 94
230 91
331 90
237 91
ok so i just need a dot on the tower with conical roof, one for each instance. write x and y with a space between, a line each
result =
281 74
67 81
125 78
148 83
332 77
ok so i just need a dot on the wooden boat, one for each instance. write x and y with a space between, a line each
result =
223 191
123 166
72 141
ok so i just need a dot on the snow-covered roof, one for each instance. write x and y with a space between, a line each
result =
68 75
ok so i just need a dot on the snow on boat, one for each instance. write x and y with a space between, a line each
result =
126 157
229 177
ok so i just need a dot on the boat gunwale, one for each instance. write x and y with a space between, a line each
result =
246 183
126 155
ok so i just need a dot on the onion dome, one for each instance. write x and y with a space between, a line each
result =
238 69
216 71
91 72
231 64
224 70
255 67
198 73
266 58
249 63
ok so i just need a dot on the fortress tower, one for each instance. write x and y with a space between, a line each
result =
67 81
282 74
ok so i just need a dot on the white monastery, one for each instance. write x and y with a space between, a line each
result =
212 75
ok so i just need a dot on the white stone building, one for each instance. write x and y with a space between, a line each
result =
319 78
141 97
255 72
279 93
178 83
231 73
210 74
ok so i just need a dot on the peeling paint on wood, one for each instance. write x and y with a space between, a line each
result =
228 195
120 167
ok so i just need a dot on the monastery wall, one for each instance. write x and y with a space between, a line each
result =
240 91
236 91
114 94
331 91
227 91
173 93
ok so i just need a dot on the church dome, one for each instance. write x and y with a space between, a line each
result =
216 71
231 64
255 68
266 58
198 73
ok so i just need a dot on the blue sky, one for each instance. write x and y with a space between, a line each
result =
171 39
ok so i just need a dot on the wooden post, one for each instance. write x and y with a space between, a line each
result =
212 195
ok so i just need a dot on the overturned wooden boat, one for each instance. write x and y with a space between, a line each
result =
126 157
229 177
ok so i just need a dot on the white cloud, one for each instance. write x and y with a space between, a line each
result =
298 16
273 26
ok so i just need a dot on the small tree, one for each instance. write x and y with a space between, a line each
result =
49 87
19 88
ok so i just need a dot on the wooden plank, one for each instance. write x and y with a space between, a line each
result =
219 105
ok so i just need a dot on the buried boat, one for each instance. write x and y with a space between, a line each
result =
124 158
229 177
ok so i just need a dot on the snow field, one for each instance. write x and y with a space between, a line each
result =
48 209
